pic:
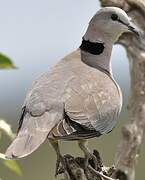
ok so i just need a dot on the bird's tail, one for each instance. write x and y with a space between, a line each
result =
31 135
24 145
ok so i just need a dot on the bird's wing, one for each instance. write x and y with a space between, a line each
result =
40 114
87 113
81 107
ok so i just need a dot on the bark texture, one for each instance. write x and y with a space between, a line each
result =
133 132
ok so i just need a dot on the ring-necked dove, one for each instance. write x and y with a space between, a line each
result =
79 98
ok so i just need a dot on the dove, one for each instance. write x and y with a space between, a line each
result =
78 98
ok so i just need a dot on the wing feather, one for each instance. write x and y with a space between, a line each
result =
92 106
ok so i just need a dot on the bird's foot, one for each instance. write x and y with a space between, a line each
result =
90 159
60 165
94 160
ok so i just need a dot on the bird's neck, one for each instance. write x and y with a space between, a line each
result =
97 54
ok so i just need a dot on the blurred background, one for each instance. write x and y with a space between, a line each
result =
36 35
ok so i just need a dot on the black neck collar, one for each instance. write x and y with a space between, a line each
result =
95 48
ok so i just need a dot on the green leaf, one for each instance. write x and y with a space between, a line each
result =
4 126
13 166
5 62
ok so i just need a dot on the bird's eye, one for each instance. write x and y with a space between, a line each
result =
114 17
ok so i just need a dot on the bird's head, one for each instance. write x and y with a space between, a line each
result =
109 22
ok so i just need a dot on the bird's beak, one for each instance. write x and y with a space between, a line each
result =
134 29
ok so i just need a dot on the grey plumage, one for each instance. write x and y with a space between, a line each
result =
72 87
77 99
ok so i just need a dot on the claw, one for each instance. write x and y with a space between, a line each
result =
89 157
93 161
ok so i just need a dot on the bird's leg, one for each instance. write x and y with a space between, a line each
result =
88 155
59 160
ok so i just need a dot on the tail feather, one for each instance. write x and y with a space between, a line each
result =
24 145
31 135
